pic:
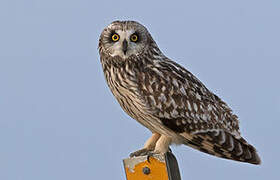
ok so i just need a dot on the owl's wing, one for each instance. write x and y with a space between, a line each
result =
175 93
184 105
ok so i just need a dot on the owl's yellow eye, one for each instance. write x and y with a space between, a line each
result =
134 38
115 37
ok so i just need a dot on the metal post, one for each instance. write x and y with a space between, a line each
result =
159 167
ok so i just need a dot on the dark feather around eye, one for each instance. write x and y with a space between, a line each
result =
111 34
138 36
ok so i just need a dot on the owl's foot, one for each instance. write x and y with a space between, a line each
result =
141 152
145 152
151 154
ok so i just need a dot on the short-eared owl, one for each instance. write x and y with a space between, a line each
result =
166 98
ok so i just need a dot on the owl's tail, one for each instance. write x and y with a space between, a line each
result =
224 145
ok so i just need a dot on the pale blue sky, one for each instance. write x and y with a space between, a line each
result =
58 119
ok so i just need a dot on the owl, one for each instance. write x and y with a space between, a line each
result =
166 98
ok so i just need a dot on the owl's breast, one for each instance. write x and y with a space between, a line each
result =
123 83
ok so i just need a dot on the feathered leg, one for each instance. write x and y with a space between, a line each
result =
148 147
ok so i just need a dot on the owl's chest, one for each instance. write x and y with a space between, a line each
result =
124 87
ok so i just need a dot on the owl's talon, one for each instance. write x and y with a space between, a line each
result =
169 149
150 154
141 152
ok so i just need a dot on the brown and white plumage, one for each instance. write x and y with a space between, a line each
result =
166 98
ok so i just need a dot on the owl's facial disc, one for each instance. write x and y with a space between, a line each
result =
124 39
124 46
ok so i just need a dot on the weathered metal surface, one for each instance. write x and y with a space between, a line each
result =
159 167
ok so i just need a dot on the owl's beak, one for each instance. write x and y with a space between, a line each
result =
124 46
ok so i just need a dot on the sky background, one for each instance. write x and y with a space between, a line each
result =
58 119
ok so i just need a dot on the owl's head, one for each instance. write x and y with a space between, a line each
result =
124 38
